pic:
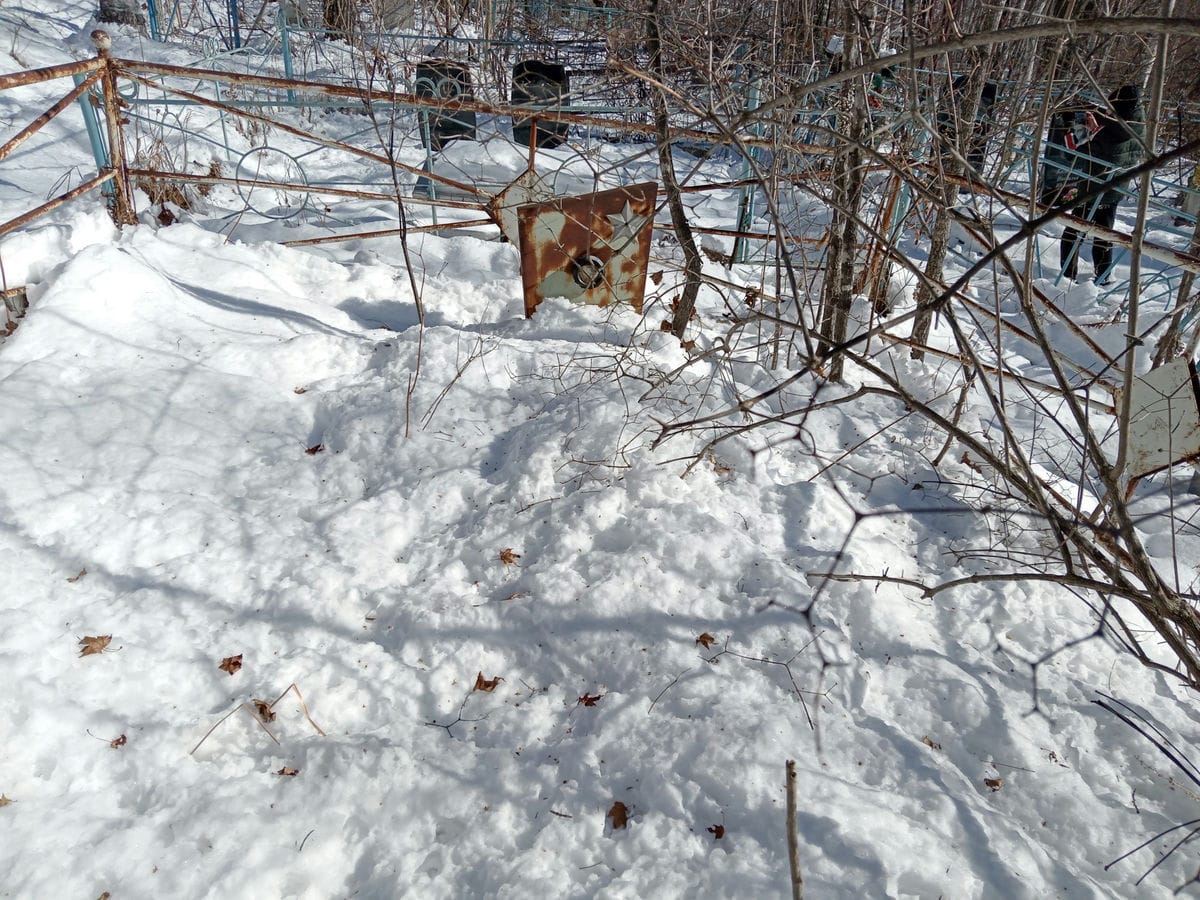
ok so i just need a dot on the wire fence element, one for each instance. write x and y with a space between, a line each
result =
128 105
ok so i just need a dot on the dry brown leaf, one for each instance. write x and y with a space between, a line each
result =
970 463
657 276
509 556
929 743
487 685
994 783
119 742
300 390
94 644
5 801
231 664
717 831
263 708
291 773
706 640
75 578
314 449
619 813
590 699
516 596
105 896
716 464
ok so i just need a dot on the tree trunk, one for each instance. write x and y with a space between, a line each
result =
693 264
837 293
339 19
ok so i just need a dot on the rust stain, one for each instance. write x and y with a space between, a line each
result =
592 249
528 187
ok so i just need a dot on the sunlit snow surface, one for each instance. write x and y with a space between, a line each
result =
157 409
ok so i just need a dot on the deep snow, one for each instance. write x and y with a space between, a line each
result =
157 409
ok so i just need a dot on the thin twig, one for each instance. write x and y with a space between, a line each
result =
792 838
257 720
303 706
674 681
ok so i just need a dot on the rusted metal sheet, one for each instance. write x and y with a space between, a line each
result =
528 187
592 249
1164 421
16 301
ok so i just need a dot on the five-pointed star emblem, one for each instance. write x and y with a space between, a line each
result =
625 225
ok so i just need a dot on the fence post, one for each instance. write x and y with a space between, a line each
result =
285 40
234 25
121 201
745 214
152 14
92 124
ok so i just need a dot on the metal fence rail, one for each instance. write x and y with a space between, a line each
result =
384 135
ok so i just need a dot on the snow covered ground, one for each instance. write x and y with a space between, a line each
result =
509 621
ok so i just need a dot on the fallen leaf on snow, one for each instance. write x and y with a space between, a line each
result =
314 449
94 644
4 801
509 556
994 783
717 831
706 640
717 466
932 744
264 710
487 685
516 596
75 578
619 815
287 771
299 390
231 664
119 742
590 699
970 463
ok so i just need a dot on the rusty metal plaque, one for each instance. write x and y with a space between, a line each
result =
528 188
1164 422
591 249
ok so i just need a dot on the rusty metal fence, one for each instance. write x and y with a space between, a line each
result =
393 144
135 111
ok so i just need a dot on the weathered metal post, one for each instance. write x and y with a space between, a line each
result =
152 14
121 200
745 215
286 42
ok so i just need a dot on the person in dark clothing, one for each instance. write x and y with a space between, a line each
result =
1110 140
977 134
977 150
